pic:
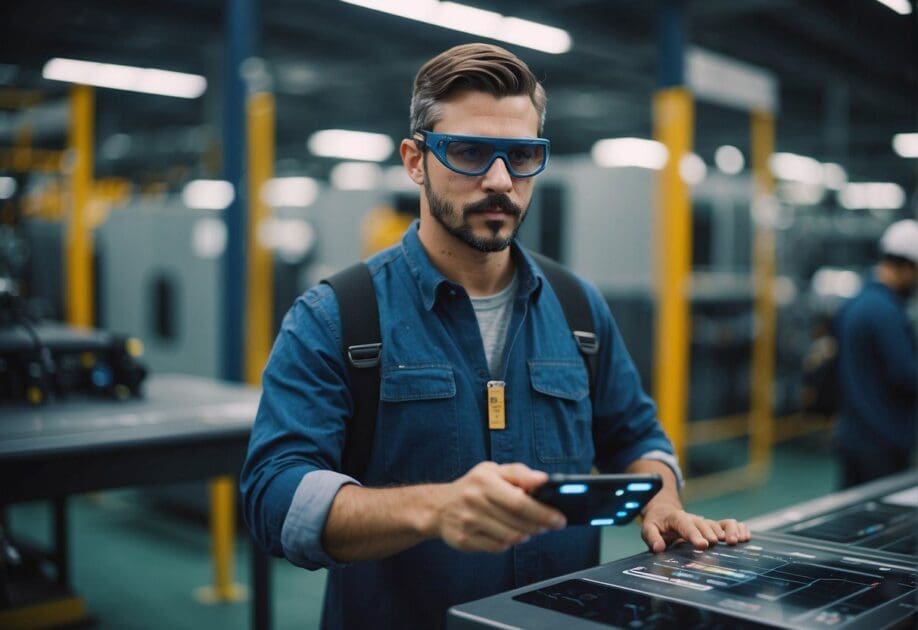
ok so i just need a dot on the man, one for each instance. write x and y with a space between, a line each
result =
444 515
877 365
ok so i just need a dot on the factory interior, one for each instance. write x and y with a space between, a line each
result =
727 175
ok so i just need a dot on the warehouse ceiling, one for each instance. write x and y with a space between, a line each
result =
846 69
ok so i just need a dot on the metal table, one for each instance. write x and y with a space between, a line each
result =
185 428
830 562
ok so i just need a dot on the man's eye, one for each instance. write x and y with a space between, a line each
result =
521 154
466 151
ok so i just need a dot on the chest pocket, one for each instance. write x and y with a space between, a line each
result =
419 424
561 409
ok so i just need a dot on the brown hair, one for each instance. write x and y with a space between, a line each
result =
471 67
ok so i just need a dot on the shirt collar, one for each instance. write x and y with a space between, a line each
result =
429 279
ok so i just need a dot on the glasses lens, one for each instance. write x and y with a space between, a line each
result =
526 158
468 156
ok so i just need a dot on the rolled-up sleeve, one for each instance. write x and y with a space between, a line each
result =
302 532
289 478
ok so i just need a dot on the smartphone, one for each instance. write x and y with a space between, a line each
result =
598 499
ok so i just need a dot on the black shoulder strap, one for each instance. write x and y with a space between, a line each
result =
362 343
576 309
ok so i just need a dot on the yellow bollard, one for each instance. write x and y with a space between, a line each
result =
222 537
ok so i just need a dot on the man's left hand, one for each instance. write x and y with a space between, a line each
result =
665 522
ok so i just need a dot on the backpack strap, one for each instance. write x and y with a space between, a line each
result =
576 309
362 346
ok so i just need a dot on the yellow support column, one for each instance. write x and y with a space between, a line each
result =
222 536
80 295
258 337
761 429
260 275
673 111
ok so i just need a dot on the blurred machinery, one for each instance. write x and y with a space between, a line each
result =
158 276
42 360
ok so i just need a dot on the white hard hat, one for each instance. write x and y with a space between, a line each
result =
901 239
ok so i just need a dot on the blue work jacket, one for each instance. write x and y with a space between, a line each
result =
878 373
432 427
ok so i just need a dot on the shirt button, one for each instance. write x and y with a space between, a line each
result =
452 292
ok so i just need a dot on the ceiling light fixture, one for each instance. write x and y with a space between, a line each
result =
834 175
639 152
692 169
461 17
356 176
906 144
351 145
208 194
290 192
902 7
729 159
130 78
872 196
796 168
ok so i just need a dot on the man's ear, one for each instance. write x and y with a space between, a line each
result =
413 159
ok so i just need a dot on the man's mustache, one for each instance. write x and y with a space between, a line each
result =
488 204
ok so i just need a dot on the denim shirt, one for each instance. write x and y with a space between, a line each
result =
432 427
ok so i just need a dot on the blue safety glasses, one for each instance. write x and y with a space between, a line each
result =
474 155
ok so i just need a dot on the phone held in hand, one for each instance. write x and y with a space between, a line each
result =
598 499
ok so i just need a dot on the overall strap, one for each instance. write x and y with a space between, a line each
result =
576 309
362 346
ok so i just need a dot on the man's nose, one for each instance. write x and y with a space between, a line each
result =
497 178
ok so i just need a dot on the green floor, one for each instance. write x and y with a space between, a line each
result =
139 568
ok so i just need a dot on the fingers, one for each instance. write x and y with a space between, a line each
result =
488 534
732 531
489 509
694 529
522 476
701 532
706 529
653 538
522 509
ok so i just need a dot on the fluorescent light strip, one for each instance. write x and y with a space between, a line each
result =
461 17
902 7
796 168
872 196
208 194
639 152
834 175
906 144
351 145
356 176
291 192
130 78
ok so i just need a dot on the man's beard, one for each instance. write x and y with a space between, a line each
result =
443 211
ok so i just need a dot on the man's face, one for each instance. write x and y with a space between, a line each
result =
485 211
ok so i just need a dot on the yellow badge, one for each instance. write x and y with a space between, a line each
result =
497 419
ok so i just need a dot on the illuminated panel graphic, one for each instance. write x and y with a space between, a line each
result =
874 525
771 583
624 609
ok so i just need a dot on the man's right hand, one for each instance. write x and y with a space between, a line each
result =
489 508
